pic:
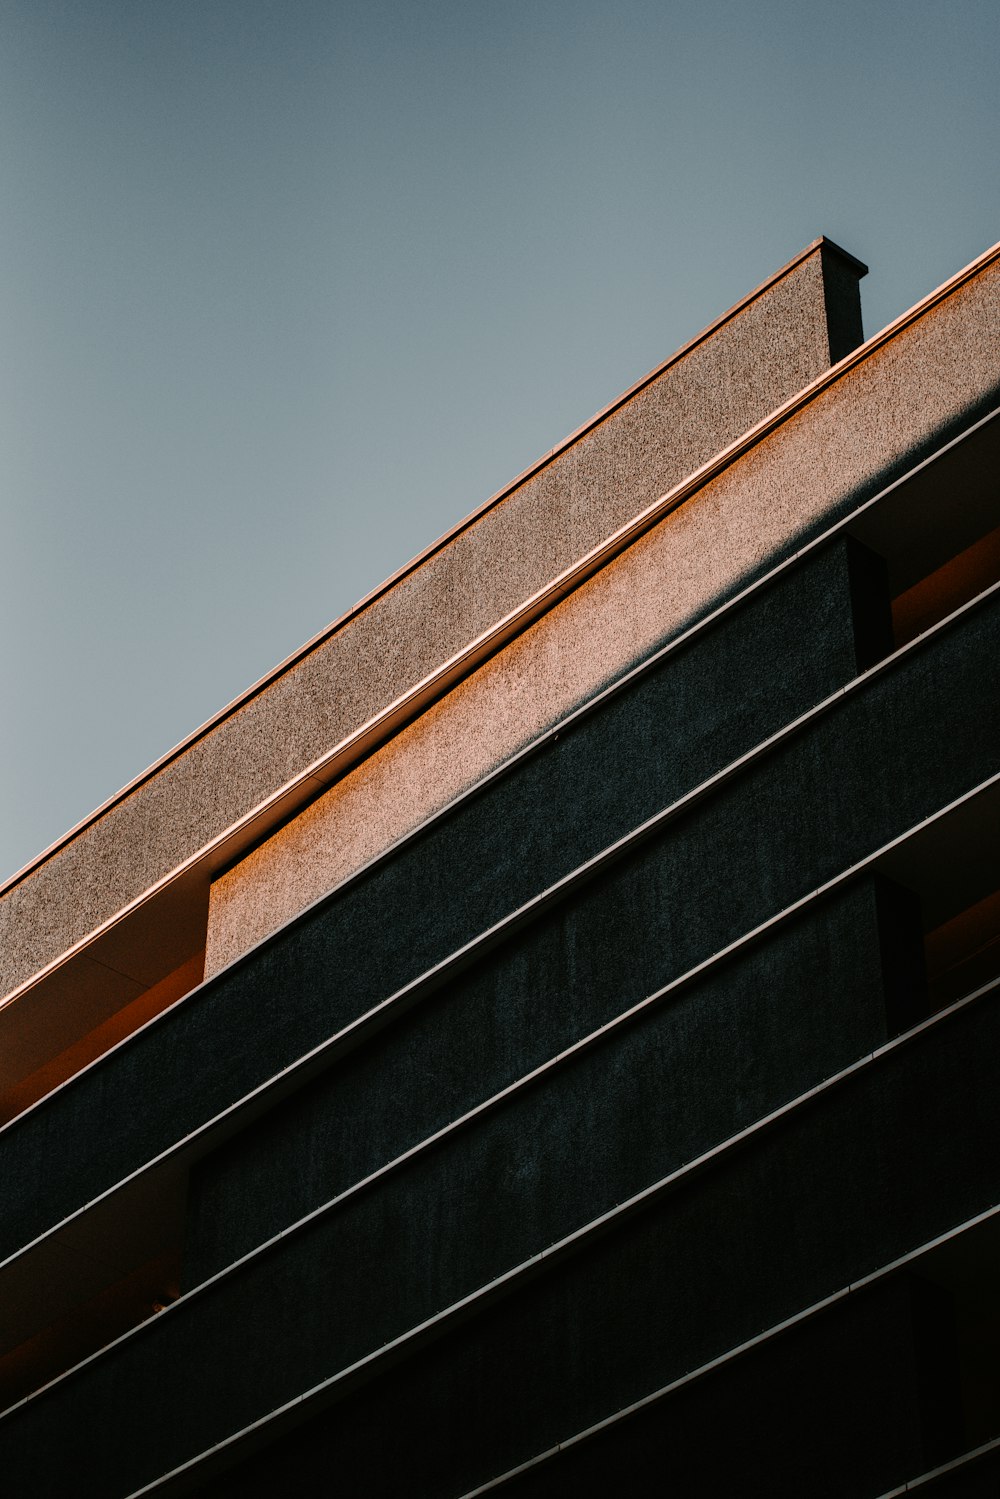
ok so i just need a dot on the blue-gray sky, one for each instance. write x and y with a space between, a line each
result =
288 288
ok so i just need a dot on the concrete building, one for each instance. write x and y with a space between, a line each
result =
542 1039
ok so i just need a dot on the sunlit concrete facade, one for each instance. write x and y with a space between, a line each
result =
542 1038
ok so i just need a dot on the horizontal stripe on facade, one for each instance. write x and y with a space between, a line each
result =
416 1338
395 1003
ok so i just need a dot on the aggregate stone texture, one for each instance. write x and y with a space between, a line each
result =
430 761
460 739
847 442
852 437
675 422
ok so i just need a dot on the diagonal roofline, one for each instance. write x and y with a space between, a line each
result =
648 517
821 243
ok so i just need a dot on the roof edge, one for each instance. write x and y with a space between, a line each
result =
647 517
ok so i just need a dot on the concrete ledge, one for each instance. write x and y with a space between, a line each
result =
974 287
850 438
775 342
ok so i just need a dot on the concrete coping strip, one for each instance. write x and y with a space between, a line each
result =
578 572
819 244
414 1338
430 688
509 1279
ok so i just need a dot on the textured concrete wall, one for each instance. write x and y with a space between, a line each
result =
466 733
848 440
875 1169
688 1086
829 1408
717 389
820 802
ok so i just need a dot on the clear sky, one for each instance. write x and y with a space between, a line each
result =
288 288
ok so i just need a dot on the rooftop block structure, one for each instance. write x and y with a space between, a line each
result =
542 1038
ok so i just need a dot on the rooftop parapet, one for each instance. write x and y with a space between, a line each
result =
370 671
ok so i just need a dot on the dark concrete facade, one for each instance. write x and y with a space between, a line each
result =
628 1125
